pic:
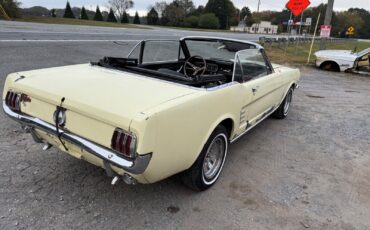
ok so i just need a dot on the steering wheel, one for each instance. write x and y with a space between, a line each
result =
192 70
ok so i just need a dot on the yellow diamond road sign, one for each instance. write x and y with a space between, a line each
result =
351 30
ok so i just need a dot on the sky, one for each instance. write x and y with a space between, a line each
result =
142 5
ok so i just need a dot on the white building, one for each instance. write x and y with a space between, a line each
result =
263 27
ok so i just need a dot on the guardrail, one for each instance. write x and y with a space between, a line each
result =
295 40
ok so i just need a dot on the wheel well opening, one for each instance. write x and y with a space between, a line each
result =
330 65
229 125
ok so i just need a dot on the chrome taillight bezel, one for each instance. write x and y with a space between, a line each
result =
119 143
13 100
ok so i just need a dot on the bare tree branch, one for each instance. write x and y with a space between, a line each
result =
120 6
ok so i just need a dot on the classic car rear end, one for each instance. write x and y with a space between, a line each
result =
96 113
145 121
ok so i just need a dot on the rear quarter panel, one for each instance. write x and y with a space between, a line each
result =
182 127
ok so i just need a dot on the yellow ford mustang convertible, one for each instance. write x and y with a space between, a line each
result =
170 107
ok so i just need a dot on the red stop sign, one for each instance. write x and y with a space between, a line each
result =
297 6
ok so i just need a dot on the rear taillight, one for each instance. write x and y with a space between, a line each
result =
124 143
13 100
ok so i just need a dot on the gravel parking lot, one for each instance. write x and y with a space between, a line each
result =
309 171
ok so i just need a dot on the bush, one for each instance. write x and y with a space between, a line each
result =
209 21
192 21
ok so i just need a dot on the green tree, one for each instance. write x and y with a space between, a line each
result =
68 13
152 17
209 21
136 18
246 15
198 11
98 16
365 15
173 15
111 16
343 20
83 15
11 8
187 6
53 13
125 18
223 9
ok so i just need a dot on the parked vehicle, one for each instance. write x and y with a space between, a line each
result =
170 107
343 60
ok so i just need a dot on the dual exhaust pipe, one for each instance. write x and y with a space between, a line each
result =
125 178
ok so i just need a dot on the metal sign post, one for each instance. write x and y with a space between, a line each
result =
313 39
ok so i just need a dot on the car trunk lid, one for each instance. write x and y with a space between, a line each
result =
114 97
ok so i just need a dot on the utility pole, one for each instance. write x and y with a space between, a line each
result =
327 21
258 10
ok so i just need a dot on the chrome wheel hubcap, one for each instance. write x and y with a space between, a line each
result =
214 158
288 101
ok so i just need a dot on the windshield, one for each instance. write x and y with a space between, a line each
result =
157 51
216 49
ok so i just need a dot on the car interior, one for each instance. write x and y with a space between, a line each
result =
196 71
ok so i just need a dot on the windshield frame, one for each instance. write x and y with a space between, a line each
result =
183 46
141 46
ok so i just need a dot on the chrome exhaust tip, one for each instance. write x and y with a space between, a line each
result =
129 179
114 180
47 146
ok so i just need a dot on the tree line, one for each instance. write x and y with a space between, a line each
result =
216 14
117 12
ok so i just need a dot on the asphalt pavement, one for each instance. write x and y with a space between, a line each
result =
309 171
36 31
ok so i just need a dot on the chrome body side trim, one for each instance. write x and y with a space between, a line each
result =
136 166
252 126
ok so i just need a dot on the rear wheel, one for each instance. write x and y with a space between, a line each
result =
207 168
283 109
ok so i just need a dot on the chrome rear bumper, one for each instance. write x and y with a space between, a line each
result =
134 166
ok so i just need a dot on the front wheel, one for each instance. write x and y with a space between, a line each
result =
207 168
283 109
